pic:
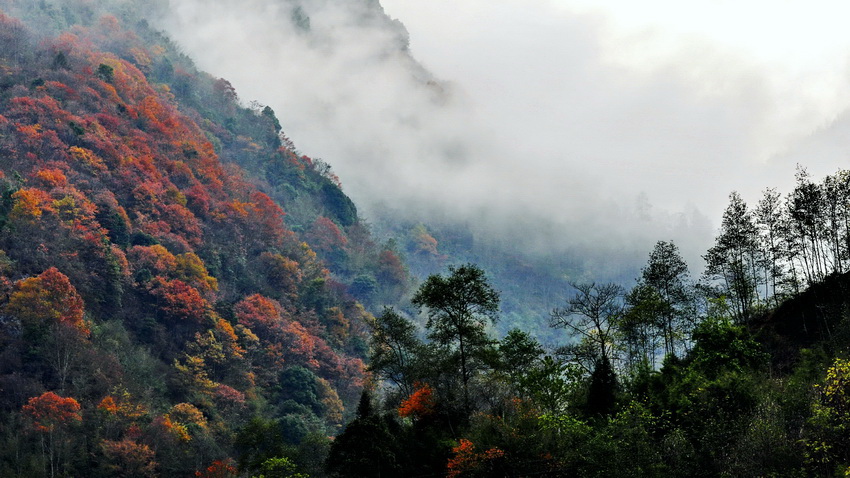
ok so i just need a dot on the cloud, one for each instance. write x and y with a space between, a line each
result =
546 126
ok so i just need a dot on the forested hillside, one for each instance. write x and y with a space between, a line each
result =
178 282
743 372
184 293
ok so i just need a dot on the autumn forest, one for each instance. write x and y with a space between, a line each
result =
183 293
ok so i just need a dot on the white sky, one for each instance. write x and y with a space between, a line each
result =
705 96
793 33
560 114
797 51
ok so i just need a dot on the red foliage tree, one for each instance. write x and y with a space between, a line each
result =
420 403
466 461
182 222
390 268
51 415
228 397
325 236
260 314
179 300
198 200
268 218
300 345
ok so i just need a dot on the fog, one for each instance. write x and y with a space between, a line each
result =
571 127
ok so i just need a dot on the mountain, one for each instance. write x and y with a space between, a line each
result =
412 149
175 275
185 293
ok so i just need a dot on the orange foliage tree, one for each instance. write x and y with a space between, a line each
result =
51 178
215 355
258 313
126 457
30 204
300 346
50 411
51 415
51 313
119 411
286 340
47 298
182 422
156 259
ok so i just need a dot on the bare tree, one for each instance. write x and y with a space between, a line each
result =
591 316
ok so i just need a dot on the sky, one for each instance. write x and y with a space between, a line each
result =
583 126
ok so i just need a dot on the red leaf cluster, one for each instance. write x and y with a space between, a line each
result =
219 469
420 403
179 300
49 411
466 460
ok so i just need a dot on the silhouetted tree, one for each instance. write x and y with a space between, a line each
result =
733 260
394 350
366 448
602 392
772 228
666 273
590 316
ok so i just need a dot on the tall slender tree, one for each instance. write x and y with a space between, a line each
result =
805 208
640 328
772 224
459 308
732 262
666 273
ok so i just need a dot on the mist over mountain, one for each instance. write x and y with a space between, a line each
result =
539 138
538 120
183 292
413 146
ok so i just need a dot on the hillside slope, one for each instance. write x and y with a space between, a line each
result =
155 304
